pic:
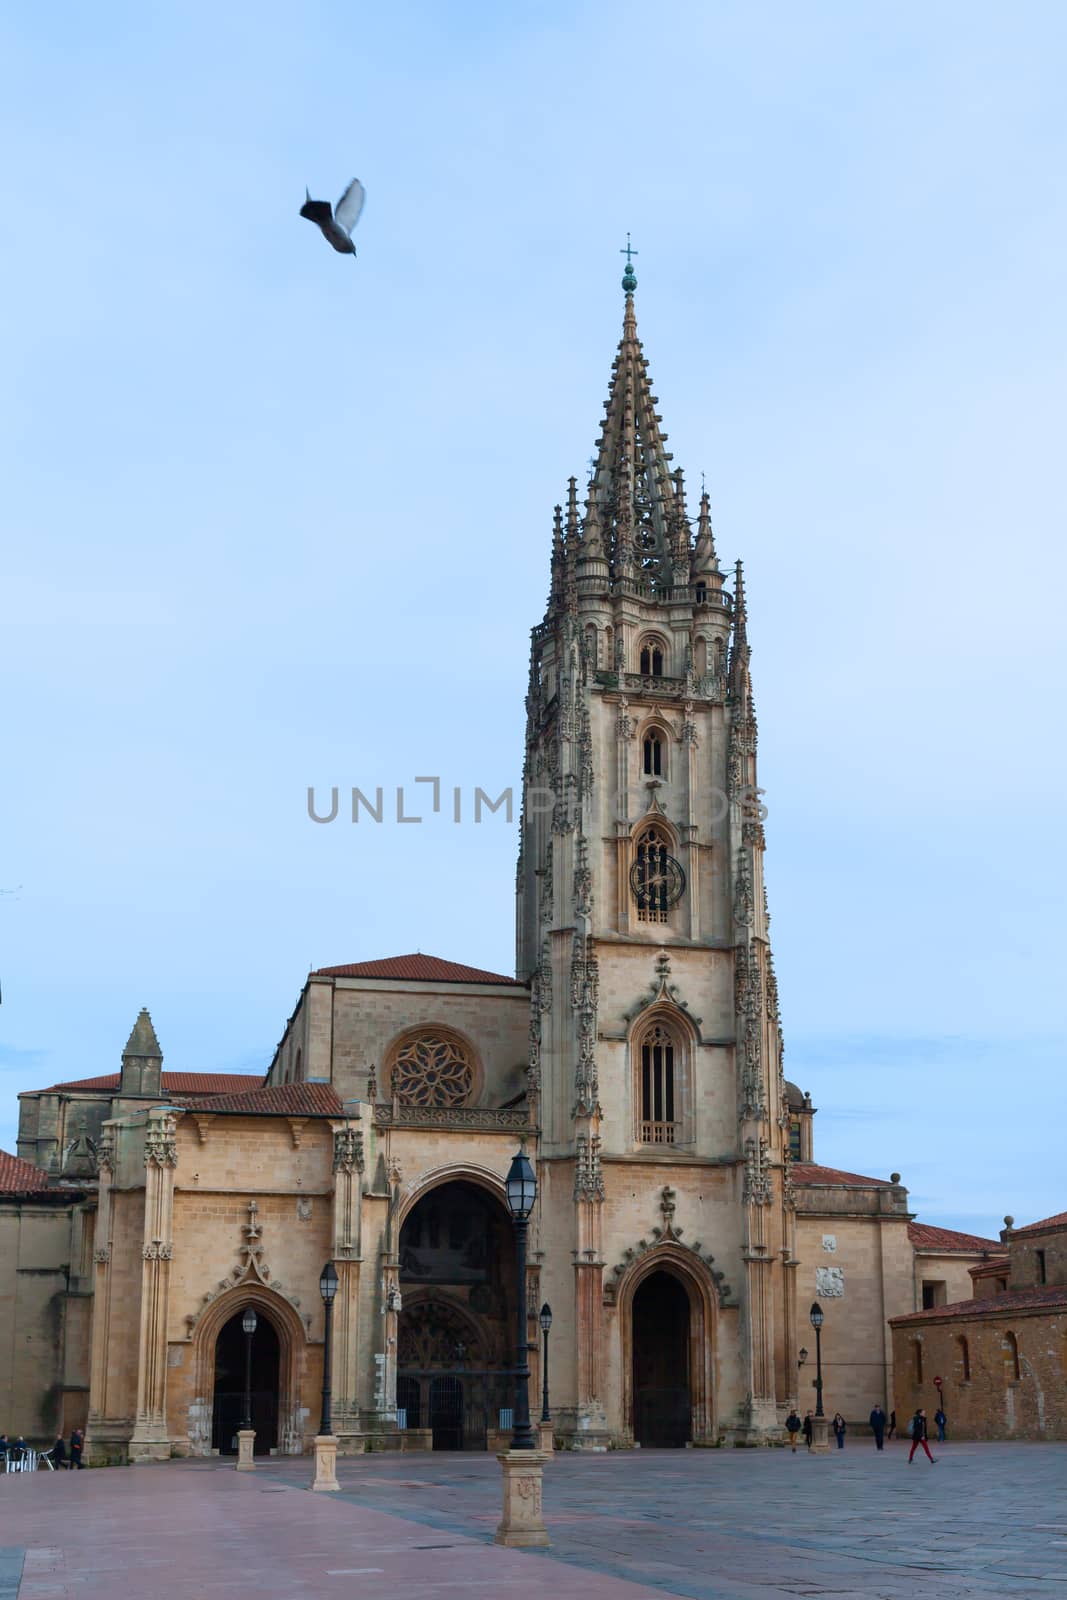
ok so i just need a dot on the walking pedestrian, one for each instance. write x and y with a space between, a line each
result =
918 1436
891 1432
77 1445
877 1421
839 1429
792 1428
5 1446
940 1419
808 1428
59 1453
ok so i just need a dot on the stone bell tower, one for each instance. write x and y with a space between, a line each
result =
655 1049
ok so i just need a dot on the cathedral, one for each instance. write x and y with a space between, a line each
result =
682 1227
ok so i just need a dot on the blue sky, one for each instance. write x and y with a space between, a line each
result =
275 518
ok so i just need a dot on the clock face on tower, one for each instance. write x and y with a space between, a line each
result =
656 879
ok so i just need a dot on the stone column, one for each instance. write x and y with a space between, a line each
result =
150 1440
590 1421
348 1166
522 1526
101 1324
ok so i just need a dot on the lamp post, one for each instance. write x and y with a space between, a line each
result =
246 1438
802 1356
816 1322
249 1323
545 1319
819 1441
521 1526
327 1289
521 1190
325 1445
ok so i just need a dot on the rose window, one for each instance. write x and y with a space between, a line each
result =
432 1070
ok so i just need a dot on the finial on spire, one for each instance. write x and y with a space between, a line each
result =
629 277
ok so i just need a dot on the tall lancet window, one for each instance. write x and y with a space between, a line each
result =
656 878
650 660
655 756
657 1088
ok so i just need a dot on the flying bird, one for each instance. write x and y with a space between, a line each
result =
336 225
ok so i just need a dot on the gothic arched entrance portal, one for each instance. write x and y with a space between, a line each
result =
456 1329
662 1399
229 1393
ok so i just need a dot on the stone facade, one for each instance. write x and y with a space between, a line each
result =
1001 1355
682 1227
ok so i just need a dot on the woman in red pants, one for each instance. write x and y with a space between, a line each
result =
918 1435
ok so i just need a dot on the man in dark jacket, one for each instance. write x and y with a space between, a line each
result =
77 1442
59 1452
809 1428
940 1419
918 1435
792 1428
877 1421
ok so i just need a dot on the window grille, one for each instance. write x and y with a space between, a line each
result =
658 1114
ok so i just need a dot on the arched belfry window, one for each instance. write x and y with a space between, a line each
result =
650 658
660 1062
654 752
656 878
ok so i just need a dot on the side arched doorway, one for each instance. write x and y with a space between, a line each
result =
662 1390
456 1331
229 1392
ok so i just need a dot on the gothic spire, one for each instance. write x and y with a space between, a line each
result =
705 561
631 493
142 1041
555 597
740 682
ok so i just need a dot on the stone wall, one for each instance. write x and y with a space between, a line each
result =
35 1255
1017 1365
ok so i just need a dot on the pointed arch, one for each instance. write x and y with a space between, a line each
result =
662 1060
680 1263
653 655
293 1341
655 739
657 880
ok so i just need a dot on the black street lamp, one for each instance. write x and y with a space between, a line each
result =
520 1186
327 1289
545 1319
816 1322
248 1323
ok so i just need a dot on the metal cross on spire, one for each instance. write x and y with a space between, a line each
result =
629 277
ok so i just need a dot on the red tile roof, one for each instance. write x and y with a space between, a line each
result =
991 1269
274 1100
924 1236
20 1177
1044 1296
416 968
172 1082
806 1172
1058 1221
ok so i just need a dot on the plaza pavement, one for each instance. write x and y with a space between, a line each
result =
988 1520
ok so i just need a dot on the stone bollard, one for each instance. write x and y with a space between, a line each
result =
545 1431
325 1462
246 1444
522 1526
820 1436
